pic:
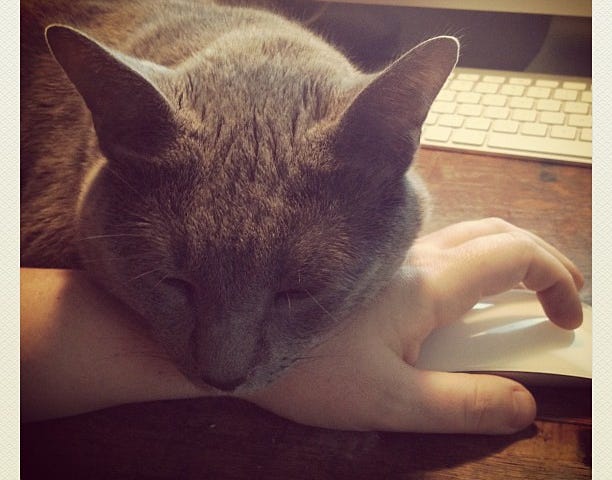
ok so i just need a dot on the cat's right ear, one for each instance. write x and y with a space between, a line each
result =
131 116
380 131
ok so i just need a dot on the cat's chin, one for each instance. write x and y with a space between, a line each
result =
257 380
248 387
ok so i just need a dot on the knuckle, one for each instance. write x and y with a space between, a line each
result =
478 408
525 248
500 224
522 240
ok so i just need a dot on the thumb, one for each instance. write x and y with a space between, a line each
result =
470 403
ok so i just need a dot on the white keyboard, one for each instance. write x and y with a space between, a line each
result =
526 115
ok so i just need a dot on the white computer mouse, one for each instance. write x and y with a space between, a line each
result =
509 335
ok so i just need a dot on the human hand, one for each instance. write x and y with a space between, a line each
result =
362 377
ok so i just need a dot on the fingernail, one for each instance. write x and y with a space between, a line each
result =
524 409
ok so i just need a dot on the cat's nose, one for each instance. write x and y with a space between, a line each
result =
226 349
223 384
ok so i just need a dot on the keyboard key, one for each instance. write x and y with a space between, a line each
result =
468 97
494 100
437 134
524 115
443 107
493 79
468 137
475 123
512 90
431 119
519 81
547 83
539 144
575 85
565 94
461 85
538 92
486 87
450 120
576 120
548 105
586 135
521 102
468 76
469 110
552 118
576 107
519 113
558 131
446 95
506 126
496 112
534 129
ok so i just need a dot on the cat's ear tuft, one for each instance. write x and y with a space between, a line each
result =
131 116
381 128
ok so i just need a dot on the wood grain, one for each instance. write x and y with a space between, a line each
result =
223 438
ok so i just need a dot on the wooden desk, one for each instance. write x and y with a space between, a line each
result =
219 438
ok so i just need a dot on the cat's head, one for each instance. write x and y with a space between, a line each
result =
244 213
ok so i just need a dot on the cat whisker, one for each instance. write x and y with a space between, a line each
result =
124 181
319 305
289 304
112 235
113 259
143 275
126 225
305 357
161 280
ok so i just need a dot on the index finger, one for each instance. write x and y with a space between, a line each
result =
495 263
456 234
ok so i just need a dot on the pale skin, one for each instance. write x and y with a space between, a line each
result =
81 350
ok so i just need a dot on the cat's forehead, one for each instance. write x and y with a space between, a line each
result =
248 214
271 106
279 76
254 149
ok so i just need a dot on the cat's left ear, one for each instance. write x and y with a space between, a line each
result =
381 129
131 116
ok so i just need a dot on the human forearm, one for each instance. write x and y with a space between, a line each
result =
79 353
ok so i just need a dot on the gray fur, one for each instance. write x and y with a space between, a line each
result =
248 188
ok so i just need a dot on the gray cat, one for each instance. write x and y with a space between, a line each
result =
227 174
